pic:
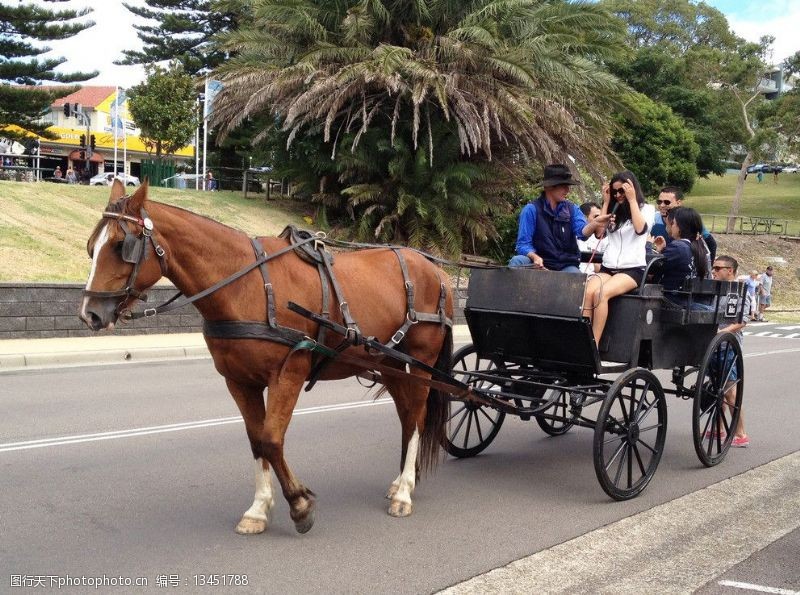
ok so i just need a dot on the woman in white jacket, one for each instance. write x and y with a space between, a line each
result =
624 254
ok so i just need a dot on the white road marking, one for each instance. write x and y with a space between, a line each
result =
776 351
179 427
788 328
759 588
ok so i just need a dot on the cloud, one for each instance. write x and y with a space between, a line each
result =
782 24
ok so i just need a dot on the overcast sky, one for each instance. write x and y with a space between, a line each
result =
97 47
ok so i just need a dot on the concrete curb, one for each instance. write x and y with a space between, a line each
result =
22 354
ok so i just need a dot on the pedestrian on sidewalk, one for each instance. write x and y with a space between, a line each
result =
765 295
753 285
724 269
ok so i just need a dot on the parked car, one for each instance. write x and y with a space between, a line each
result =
107 178
790 169
754 169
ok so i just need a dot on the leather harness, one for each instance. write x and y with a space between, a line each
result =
312 249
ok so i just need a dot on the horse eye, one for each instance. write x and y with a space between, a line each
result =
118 247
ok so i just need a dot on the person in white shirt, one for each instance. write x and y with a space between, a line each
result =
592 244
624 255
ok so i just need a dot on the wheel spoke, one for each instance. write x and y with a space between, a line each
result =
621 463
639 460
623 409
478 427
469 427
650 407
647 446
648 428
460 422
452 415
616 453
487 416
630 466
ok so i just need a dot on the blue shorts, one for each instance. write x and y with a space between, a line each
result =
720 363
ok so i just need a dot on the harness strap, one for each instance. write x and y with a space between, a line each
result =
172 304
260 252
344 308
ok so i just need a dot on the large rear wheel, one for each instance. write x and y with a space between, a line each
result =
472 427
718 399
629 434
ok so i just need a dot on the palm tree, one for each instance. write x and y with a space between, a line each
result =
515 80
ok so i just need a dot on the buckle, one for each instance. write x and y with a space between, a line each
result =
150 312
395 339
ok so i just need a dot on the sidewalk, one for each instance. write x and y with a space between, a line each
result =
24 354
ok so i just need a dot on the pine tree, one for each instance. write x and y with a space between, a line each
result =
183 32
23 102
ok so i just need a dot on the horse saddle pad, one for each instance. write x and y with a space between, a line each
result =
312 252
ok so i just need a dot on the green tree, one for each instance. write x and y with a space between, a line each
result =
656 145
183 31
23 103
676 46
163 107
515 81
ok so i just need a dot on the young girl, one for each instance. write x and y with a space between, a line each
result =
686 257
624 255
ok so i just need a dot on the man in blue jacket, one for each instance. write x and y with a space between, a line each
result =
549 227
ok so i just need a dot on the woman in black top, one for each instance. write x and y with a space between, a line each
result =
686 257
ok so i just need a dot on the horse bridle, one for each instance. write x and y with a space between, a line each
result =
134 251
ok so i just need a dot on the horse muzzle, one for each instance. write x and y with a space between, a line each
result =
99 314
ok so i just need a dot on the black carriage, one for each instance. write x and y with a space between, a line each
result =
534 356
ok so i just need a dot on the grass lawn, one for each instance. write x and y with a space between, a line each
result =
44 226
781 201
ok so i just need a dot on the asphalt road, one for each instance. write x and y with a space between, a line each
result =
142 471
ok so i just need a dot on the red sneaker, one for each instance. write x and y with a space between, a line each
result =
740 441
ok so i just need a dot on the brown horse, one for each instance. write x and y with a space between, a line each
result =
141 241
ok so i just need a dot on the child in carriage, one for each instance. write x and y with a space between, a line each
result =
624 254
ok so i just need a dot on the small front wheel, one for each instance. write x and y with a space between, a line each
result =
558 423
629 434
471 427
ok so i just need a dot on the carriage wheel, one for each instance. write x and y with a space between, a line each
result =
471 427
714 417
559 408
629 434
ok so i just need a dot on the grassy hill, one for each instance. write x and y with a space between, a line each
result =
44 227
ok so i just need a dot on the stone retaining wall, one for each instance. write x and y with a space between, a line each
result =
42 310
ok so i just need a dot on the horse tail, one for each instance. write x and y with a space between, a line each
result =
438 410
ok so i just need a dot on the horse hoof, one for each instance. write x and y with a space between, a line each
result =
248 526
304 525
400 509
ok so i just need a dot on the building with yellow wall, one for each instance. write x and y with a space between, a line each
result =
97 105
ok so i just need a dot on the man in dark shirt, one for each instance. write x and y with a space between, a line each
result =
670 198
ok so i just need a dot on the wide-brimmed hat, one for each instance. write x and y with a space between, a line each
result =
557 174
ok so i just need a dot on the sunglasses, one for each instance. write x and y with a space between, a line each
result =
617 191
719 268
663 202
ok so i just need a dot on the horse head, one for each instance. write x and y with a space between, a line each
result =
126 259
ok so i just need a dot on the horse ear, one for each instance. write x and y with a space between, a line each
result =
117 191
137 199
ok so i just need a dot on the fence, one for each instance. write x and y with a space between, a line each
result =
752 225
155 171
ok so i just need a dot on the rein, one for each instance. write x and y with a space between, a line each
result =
134 251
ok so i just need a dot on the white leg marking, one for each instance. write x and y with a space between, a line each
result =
255 519
401 501
98 246
394 487
264 499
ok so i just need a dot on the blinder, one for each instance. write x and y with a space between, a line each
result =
132 246
133 251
